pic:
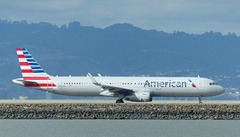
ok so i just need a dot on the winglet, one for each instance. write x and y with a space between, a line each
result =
99 75
92 79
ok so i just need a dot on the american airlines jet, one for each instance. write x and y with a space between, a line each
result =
138 89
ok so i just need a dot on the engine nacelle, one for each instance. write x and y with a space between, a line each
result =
106 93
139 97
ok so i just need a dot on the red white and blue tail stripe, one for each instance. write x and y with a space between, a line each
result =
32 73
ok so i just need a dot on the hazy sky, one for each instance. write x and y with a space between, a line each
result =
192 16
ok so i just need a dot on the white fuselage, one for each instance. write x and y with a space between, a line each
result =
140 89
157 86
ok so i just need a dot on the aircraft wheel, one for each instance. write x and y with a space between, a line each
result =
119 101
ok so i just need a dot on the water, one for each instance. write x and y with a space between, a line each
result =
119 128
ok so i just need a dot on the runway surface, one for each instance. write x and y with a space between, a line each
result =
113 101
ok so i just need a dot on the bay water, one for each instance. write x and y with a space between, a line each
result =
119 128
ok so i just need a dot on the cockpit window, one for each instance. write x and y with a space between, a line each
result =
212 83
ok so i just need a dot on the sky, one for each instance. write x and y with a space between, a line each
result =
191 16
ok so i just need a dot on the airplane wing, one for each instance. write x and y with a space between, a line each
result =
113 89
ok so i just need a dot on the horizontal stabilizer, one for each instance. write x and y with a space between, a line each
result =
28 83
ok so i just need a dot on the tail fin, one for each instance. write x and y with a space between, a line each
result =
31 70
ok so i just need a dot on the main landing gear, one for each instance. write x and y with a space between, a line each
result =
200 100
120 101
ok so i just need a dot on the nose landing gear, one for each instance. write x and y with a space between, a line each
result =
200 100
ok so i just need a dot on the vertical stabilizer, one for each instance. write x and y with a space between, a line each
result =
32 73
29 67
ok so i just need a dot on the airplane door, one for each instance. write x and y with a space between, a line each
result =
49 84
200 83
106 82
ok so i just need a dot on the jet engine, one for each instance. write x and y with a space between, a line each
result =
139 97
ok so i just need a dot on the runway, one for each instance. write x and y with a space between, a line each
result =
113 101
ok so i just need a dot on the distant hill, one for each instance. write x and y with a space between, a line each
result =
120 49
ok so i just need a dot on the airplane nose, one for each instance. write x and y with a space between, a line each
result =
221 90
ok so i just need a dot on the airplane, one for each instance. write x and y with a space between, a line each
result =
136 89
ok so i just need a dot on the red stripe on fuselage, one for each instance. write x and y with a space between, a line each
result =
27 71
36 78
24 64
40 84
21 56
